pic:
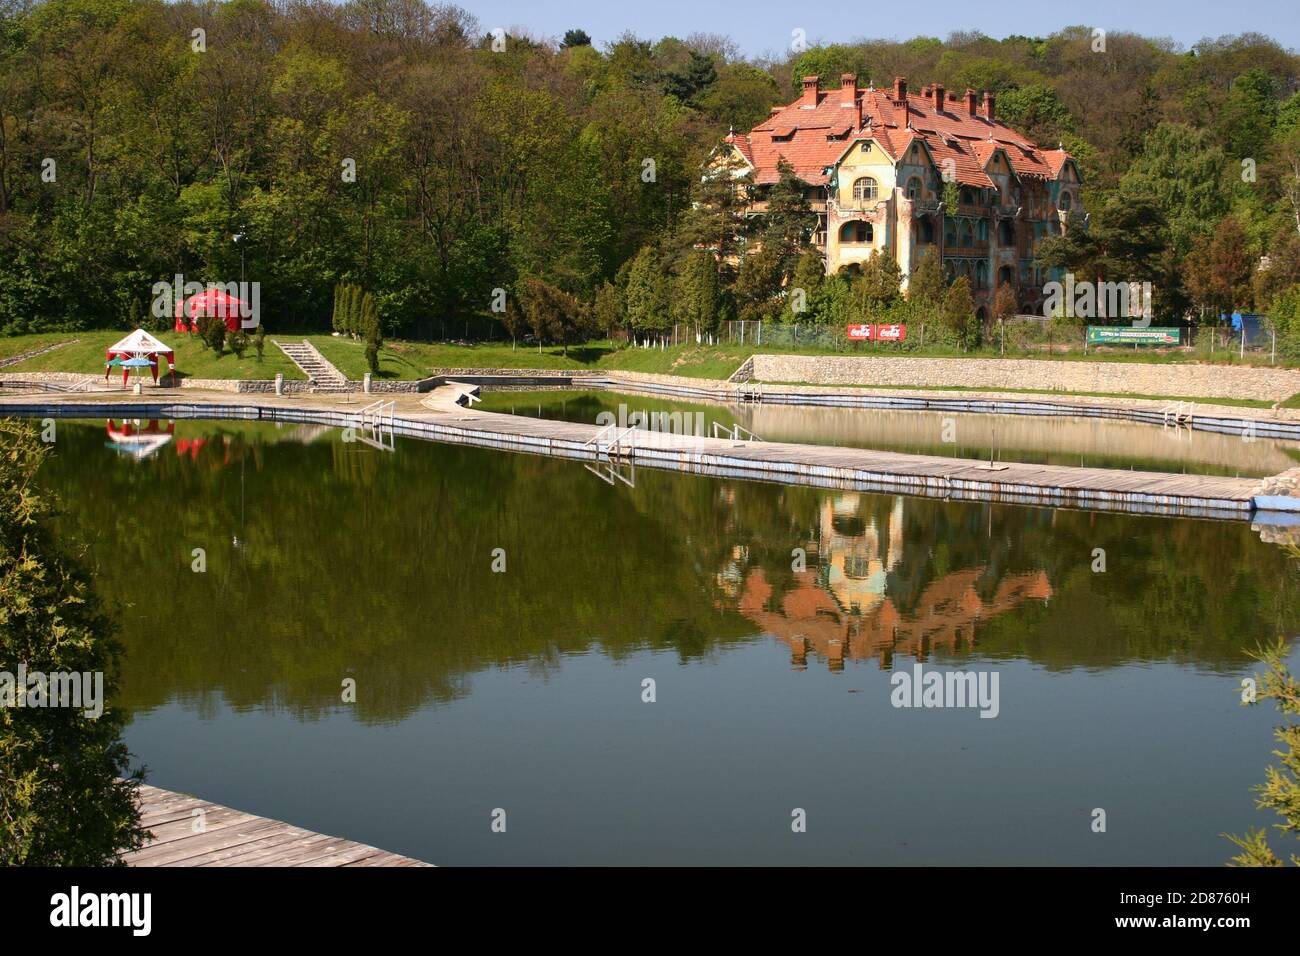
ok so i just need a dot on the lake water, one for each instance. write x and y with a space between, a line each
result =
522 690
1091 442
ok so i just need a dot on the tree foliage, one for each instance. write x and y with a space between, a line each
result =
67 792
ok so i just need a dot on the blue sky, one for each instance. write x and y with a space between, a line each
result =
761 26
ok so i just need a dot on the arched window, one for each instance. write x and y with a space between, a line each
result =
1066 200
1006 233
984 230
1005 275
967 235
864 188
982 275
856 232
914 188
927 232
949 232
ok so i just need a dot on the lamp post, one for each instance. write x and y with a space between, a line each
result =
239 241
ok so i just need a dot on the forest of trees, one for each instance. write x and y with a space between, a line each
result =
408 150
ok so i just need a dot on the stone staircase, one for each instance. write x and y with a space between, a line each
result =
323 375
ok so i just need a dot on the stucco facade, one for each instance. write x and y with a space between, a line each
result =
907 174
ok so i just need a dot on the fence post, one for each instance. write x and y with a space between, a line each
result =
1273 360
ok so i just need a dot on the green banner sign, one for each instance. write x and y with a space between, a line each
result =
1127 335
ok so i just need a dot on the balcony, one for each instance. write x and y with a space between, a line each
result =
866 206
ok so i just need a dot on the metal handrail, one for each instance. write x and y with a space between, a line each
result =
1179 410
596 437
734 432
613 445
374 412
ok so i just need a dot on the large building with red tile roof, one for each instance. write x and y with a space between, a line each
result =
877 162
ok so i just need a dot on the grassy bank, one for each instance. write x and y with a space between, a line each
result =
414 360
85 355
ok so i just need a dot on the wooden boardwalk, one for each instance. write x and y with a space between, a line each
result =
435 417
188 831
868 469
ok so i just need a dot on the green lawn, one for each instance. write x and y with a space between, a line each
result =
193 359
415 360
409 360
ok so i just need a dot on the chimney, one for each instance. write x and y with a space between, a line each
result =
938 98
848 89
988 107
900 89
809 91
970 101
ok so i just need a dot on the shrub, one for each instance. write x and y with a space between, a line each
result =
239 342
67 793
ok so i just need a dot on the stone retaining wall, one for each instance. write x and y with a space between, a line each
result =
1191 379
58 378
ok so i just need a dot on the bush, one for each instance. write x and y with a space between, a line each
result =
239 342
1284 316
213 333
67 793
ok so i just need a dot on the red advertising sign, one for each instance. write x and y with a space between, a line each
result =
877 333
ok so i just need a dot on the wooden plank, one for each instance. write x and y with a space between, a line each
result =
234 838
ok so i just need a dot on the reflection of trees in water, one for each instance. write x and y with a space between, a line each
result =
350 562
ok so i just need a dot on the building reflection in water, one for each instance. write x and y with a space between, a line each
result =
840 607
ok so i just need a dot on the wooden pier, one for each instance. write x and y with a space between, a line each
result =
436 417
188 831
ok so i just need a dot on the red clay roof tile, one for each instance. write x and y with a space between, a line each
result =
969 140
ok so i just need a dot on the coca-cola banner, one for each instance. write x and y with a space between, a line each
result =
877 333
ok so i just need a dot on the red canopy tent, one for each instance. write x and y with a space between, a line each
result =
140 344
212 303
